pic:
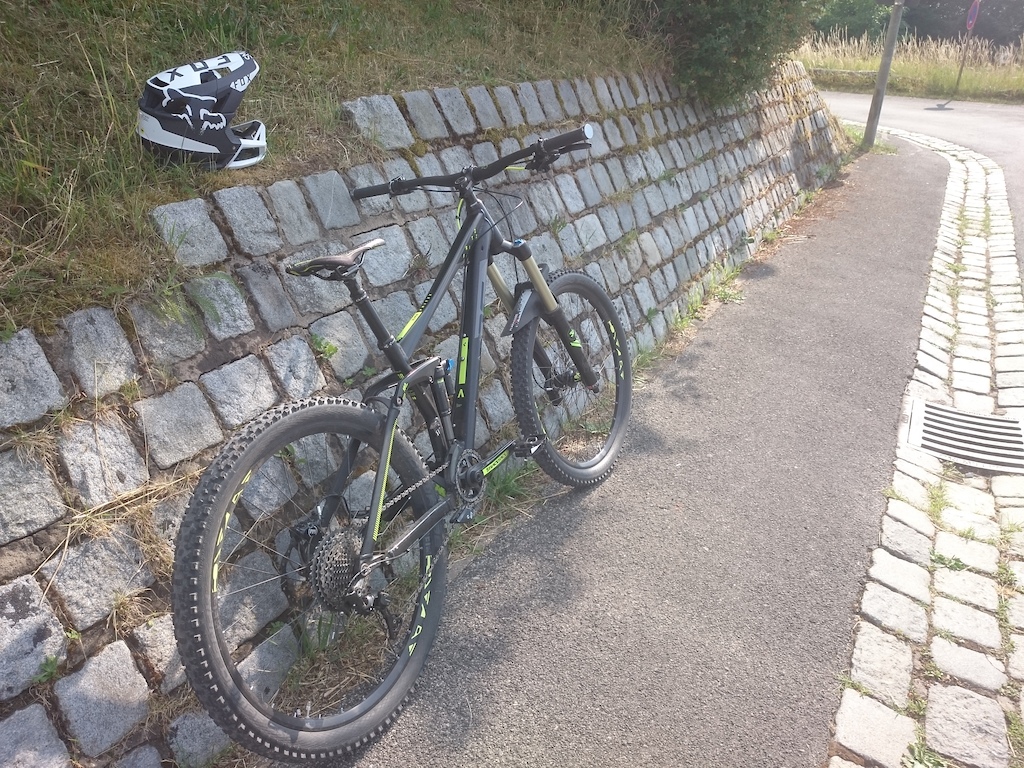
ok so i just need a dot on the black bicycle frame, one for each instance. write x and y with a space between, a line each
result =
477 241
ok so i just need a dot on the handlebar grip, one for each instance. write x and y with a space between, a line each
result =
372 191
582 134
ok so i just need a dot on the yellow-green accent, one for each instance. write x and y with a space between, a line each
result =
463 355
387 468
424 602
619 369
496 463
574 340
224 529
412 320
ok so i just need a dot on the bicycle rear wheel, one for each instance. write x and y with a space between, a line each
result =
283 662
583 428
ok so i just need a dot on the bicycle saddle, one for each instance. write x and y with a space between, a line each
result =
336 266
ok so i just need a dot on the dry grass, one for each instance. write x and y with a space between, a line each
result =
76 187
920 67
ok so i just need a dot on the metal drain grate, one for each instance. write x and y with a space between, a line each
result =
988 442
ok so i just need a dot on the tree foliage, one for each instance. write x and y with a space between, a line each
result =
725 48
1001 21
856 17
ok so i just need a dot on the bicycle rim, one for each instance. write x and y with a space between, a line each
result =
583 428
279 657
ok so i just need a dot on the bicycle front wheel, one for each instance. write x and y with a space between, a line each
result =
583 428
282 657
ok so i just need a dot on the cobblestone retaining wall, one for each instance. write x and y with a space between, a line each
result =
112 417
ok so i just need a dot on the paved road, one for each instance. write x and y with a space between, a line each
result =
994 130
697 609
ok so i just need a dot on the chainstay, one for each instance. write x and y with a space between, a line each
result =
412 489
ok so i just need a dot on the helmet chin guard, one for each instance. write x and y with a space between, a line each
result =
185 113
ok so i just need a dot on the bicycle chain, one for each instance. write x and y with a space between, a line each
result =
411 489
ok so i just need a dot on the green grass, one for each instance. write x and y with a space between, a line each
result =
926 68
76 187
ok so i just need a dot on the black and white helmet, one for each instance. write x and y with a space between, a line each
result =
185 113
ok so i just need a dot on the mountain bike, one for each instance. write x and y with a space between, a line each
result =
310 567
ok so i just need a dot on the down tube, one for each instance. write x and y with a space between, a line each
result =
467 382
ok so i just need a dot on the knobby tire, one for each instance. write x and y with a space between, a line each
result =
271 650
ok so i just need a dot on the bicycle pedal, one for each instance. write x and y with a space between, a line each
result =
527 446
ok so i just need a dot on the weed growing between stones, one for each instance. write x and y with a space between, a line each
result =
920 756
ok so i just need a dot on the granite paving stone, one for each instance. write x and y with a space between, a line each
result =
296 368
178 424
389 262
975 554
1015 611
331 200
104 700
341 331
28 386
169 333
426 119
969 524
29 740
367 175
966 623
293 215
527 97
267 293
413 202
146 756
508 105
567 95
549 101
456 110
310 295
380 120
155 639
101 461
883 664
29 499
30 633
100 356
253 227
90 576
240 390
872 730
969 587
905 542
187 227
483 105
587 97
895 611
980 669
222 305
966 726
901 575
195 740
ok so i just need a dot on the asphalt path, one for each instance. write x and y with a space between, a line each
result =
698 608
994 130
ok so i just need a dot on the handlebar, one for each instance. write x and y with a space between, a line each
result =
543 153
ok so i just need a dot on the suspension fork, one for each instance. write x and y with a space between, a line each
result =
549 310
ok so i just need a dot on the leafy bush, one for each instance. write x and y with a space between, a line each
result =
723 49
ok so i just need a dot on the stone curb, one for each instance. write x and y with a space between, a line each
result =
937 640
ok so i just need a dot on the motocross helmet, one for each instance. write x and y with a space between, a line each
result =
185 113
